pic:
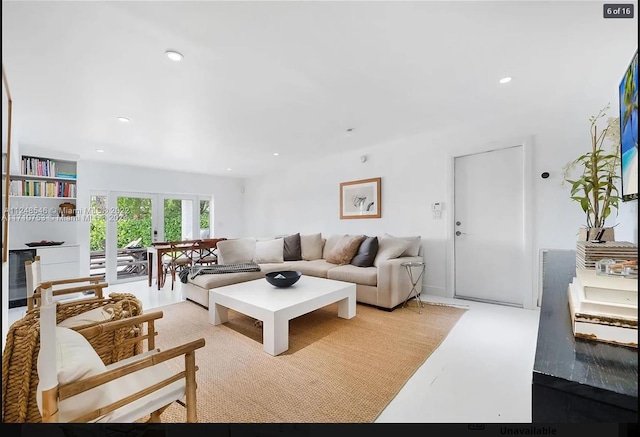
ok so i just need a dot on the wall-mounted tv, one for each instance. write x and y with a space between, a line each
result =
629 131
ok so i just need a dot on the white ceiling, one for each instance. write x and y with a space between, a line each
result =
289 77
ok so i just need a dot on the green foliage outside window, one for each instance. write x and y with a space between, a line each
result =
134 220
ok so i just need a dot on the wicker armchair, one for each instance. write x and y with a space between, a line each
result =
19 360
80 388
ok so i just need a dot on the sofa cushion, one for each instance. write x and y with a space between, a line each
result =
221 279
278 267
332 240
236 251
355 274
414 246
292 249
317 268
311 246
366 252
344 250
269 251
390 248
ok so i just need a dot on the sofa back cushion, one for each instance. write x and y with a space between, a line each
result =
311 246
269 251
344 250
366 252
292 249
236 251
414 244
332 240
390 248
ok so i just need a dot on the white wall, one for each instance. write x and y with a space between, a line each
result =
415 174
227 196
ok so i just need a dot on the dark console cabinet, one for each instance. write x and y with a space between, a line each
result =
577 380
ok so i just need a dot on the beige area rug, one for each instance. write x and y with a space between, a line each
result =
335 371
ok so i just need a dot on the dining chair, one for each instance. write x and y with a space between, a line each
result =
180 255
205 251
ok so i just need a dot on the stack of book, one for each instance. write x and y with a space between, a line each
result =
604 308
587 253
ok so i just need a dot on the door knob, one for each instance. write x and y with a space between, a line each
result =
458 233
458 223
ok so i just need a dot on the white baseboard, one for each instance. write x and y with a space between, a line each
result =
434 290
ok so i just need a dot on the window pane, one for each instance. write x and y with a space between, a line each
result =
98 235
178 222
205 217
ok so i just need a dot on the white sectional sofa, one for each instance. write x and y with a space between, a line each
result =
375 267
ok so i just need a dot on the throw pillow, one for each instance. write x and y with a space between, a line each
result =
269 251
328 245
292 249
236 251
311 246
76 359
389 248
414 246
344 250
366 252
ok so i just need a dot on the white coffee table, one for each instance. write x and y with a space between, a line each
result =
276 306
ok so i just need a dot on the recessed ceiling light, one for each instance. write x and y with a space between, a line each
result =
124 119
276 154
99 150
228 169
173 55
505 80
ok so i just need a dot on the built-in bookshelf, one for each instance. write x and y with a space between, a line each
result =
41 177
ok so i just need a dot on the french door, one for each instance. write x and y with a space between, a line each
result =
133 221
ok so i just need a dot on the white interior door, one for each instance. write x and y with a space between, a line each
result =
489 227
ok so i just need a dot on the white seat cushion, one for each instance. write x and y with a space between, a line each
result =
76 359
137 381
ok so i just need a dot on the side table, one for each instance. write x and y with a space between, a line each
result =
415 280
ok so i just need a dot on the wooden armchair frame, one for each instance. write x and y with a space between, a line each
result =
19 358
53 392
33 272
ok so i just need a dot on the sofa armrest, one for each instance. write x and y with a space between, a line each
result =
394 283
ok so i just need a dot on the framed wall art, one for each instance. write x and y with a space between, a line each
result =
360 199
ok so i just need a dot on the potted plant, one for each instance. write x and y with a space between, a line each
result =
595 186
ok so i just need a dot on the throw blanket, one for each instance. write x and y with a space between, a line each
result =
192 272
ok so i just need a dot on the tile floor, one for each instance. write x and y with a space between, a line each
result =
481 373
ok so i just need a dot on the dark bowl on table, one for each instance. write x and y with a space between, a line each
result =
283 279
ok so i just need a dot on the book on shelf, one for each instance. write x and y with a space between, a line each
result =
602 325
66 175
42 189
